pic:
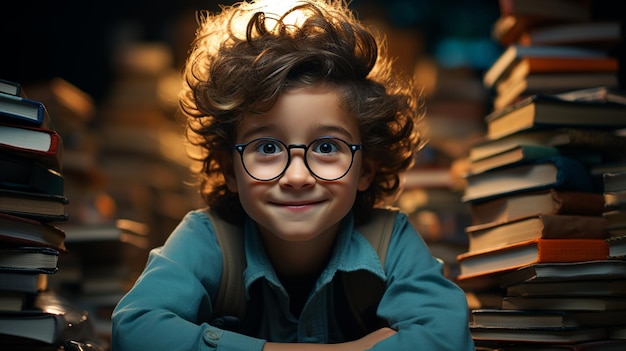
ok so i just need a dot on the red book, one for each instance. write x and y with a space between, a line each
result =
39 144
531 66
26 231
503 259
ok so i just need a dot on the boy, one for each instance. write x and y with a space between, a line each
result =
303 129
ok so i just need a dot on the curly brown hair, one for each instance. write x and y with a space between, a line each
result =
245 57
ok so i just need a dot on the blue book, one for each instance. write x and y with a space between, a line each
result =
558 172
20 110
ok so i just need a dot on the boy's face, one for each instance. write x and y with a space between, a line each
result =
297 206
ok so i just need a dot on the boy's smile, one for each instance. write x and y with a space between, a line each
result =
297 206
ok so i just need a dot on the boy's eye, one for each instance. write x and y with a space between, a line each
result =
268 147
325 147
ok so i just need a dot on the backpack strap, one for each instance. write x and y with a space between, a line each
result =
362 289
377 230
230 300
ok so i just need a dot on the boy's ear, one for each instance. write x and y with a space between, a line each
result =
225 161
368 170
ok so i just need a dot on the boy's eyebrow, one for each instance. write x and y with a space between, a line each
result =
255 131
335 128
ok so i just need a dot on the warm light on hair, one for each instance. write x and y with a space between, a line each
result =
243 58
278 15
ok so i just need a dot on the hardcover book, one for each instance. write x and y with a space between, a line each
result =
35 143
525 318
552 272
548 202
534 65
52 319
559 172
548 111
595 94
23 174
517 154
565 303
509 91
497 234
25 231
515 52
509 258
564 288
568 335
590 33
567 140
38 206
20 258
20 110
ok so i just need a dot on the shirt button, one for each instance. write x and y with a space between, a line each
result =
211 337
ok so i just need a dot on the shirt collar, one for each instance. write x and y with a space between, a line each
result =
352 252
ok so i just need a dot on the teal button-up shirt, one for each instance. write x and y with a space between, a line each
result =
174 294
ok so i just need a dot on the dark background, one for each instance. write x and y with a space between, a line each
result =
76 39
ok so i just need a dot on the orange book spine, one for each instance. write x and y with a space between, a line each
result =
564 64
572 250
547 251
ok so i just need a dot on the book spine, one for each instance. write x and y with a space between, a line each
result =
572 250
578 202
574 226
573 64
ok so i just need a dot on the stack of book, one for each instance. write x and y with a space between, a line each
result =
105 253
32 203
539 265
551 47
536 198
557 306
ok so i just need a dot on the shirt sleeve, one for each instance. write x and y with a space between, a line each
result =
428 310
171 302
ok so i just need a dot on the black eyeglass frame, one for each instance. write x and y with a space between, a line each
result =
353 149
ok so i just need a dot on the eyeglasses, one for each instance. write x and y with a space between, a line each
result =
327 158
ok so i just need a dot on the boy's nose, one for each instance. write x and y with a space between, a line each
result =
297 174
